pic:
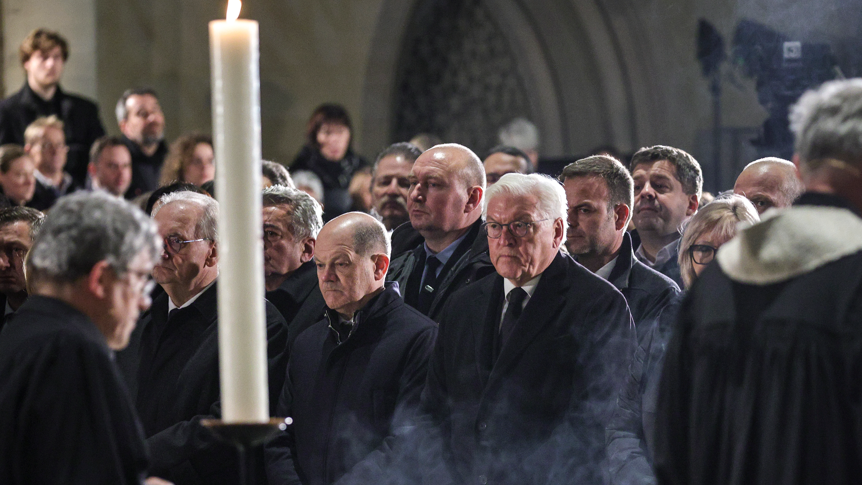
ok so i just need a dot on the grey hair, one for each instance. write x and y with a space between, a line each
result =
207 226
550 194
121 111
32 217
85 228
791 187
719 217
520 133
309 179
370 236
616 176
827 124
688 171
306 218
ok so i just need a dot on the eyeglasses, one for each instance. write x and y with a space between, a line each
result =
46 146
175 244
701 253
517 228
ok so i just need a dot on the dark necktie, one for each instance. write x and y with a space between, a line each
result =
429 285
513 313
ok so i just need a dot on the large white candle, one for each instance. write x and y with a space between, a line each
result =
234 52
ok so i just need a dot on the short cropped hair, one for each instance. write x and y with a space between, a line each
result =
32 217
521 133
121 110
102 144
370 236
550 194
207 226
276 173
409 151
791 187
719 217
617 178
326 113
42 40
35 129
687 169
306 218
513 152
8 154
87 227
309 179
827 124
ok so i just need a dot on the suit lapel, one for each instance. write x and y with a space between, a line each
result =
541 311
484 329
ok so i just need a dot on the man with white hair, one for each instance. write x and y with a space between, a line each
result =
65 415
761 377
446 250
174 369
529 360
355 376
769 182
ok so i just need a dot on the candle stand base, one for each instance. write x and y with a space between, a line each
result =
245 437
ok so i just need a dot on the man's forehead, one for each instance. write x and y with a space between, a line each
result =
512 206
658 168
394 163
587 186
15 231
141 100
281 214
178 216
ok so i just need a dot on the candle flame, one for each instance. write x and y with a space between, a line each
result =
233 8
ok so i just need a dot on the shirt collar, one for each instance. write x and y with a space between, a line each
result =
444 255
663 256
605 271
529 287
172 306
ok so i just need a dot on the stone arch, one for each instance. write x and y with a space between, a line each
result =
585 71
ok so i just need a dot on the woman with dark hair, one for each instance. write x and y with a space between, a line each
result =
327 153
190 160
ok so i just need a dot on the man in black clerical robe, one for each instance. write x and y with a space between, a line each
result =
762 375
65 414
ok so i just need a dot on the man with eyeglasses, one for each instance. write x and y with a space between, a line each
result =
46 145
65 415
761 382
291 221
442 248
43 55
18 229
173 373
142 123
528 361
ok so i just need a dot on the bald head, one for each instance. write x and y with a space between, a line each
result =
446 187
769 182
352 257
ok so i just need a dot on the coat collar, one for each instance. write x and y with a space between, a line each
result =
625 259
791 242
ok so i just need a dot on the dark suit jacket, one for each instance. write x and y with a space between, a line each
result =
177 381
145 168
299 300
80 118
536 413
347 398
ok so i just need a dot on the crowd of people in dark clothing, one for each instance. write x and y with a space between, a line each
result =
431 317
